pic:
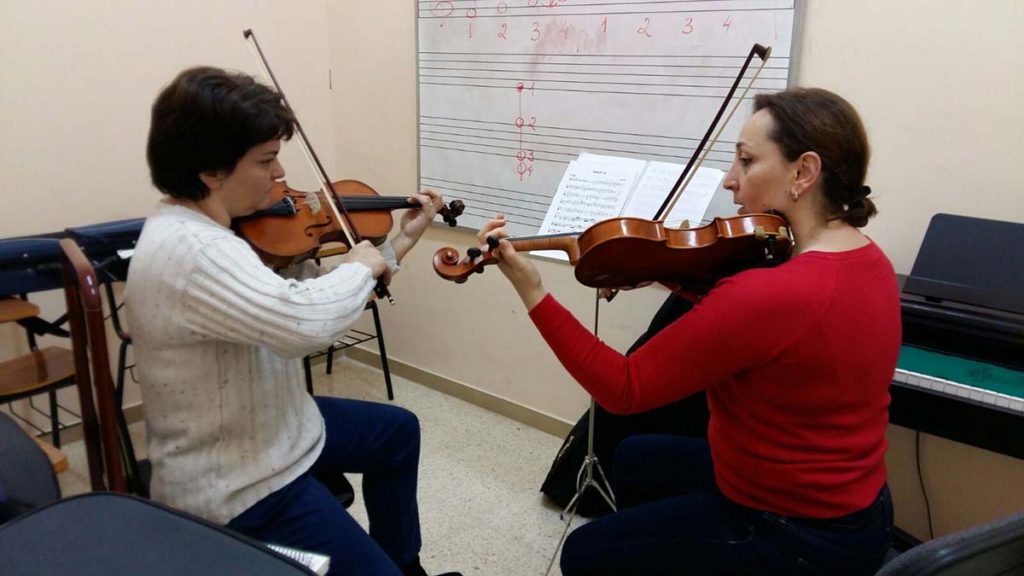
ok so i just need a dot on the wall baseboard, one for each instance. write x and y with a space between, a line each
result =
486 400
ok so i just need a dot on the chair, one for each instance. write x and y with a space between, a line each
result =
351 338
105 452
31 265
103 533
108 245
27 479
993 549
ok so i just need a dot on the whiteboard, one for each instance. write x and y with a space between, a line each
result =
511 91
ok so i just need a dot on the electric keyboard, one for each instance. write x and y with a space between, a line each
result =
961 369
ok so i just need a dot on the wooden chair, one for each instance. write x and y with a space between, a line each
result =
108 246
30 265
104 451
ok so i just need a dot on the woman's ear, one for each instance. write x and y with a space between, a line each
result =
212 178
808 172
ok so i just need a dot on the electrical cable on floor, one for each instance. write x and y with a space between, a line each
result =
920 479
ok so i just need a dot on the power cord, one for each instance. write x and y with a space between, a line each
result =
920 479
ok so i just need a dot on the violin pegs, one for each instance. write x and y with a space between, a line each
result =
473 253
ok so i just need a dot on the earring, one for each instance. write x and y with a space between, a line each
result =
794 194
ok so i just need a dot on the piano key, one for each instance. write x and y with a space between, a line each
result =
958 390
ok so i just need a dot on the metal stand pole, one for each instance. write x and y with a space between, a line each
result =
585 478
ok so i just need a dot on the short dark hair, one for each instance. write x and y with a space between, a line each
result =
206 119
816 120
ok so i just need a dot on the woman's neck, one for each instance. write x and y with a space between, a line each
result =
818 234
211 210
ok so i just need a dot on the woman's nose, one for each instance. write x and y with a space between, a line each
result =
730 183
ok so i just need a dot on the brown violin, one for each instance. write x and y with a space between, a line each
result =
622 252
298 224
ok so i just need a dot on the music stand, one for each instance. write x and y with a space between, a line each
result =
585 478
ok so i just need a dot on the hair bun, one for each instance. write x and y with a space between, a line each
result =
864 192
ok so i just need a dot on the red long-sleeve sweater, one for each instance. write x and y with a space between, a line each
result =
796 361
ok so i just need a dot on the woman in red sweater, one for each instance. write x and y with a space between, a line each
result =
796 361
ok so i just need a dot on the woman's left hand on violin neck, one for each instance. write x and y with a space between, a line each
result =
416 221
523 275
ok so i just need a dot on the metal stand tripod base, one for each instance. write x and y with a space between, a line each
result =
584 479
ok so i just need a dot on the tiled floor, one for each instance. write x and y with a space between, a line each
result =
480 473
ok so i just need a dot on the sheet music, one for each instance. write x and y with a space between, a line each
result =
657 180
597 187
593 188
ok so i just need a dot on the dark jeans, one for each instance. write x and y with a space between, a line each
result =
383 443
673 520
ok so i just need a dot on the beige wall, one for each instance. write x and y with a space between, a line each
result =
933 80
77 80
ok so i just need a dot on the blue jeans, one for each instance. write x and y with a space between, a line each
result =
383 444
673 520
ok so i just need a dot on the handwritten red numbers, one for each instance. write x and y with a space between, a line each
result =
524 156
642 30
563 29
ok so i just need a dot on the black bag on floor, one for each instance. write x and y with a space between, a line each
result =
686 417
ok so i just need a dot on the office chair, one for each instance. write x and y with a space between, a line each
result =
27 479
993 549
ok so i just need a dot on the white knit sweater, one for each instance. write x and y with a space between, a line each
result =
218 339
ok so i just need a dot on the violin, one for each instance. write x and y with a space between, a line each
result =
629 251
621 252
282 245
298 224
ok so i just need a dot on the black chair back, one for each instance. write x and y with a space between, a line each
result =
993 549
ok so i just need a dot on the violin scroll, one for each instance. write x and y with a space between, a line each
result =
450 266
452 210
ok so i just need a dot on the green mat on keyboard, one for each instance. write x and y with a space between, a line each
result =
970 372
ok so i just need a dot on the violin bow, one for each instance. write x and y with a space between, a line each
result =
347 227
692 166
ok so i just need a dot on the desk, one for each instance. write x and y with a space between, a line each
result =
13 309
103 533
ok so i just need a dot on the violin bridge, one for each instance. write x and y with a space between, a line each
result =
313 201
684 224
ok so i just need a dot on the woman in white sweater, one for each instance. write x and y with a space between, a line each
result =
232 434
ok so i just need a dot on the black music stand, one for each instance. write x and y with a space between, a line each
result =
586 478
